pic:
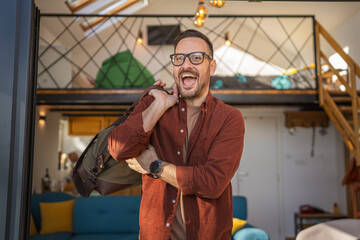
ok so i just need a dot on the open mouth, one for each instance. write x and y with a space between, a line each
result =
188 79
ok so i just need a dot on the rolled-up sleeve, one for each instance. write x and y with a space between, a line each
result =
129 139
211 178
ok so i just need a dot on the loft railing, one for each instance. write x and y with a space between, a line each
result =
266 52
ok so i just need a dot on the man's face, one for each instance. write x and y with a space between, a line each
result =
193 80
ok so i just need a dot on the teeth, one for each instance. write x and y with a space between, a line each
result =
187 75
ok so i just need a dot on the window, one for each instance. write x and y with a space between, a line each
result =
99 7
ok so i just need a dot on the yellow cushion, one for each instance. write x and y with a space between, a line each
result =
33 230
57 217
237 225
291 71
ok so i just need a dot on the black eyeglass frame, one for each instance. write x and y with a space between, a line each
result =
188 56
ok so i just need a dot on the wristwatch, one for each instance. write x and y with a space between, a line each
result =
155 168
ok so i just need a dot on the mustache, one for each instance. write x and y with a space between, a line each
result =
188 71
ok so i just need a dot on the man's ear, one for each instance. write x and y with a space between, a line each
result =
212 67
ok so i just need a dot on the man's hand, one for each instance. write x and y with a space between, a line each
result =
162 98
160 83
141 164
163 101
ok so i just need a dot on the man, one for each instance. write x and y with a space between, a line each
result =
197 144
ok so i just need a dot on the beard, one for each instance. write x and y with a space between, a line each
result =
201 87
194 93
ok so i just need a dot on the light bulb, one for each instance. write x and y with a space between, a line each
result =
217 3
139 39
220 3
201 11
198 21
227 40
213 3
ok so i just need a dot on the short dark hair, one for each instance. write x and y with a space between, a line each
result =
193 33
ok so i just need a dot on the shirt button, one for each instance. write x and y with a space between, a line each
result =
182 109
178 152
168 224
173 201
181 130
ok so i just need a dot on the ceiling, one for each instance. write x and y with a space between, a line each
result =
330 14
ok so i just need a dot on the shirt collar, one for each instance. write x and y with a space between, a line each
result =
205 104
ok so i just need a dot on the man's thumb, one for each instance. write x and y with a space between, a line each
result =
175 91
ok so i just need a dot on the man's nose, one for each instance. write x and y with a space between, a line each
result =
187 61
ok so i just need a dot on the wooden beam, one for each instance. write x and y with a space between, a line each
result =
306 119
338 48
127 96
350 89
354 103
318 65
335 72
340 129
78 5
338 115
93 22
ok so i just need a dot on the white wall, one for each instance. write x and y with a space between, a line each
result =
46 149
303 179
348 34
51 137
312 180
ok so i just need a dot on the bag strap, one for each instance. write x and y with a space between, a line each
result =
137 101
80 176
145 92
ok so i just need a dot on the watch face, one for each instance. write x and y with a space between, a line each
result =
155 167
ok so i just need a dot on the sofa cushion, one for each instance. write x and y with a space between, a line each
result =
107 214
250 233
57 217
53 236
240 207
45 197
237 225
104 236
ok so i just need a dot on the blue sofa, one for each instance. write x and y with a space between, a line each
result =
248 232
117 217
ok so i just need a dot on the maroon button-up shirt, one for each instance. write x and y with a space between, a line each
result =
214 152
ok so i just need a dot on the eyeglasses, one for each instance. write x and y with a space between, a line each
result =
195 58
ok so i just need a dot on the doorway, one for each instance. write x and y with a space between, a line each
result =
257 177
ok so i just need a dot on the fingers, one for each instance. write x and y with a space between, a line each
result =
151 92
153 151
160 83
129 161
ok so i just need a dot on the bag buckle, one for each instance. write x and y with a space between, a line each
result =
93 180
94 170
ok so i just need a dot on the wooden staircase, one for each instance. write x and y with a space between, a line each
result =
342 107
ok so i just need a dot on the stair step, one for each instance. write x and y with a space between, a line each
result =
351 122
342 99
347 108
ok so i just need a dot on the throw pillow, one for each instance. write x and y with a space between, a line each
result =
57 217
237 225
33 230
